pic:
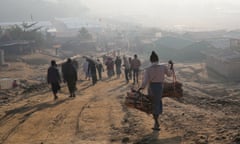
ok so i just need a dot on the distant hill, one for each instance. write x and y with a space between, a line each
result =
204 35
174 42
193 52
233 34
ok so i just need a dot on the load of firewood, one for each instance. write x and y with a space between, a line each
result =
173 90
142 102
138 100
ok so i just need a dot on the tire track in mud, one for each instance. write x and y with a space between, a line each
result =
86 118
118 129
68 111
79 116
131 127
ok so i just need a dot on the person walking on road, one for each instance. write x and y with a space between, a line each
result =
53 78
135 65
126 68
92 70
118 64
110 67
70 76
85 70
154 77
100 69
130 70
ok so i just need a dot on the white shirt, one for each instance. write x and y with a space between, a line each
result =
155 73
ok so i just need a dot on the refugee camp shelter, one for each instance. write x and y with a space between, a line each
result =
17 47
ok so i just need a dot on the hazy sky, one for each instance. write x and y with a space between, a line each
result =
187 14
172 13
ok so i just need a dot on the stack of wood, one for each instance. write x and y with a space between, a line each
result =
173 90
142 102
139 101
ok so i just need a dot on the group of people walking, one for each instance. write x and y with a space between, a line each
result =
153 76
69 75
113 67
93 70
131 68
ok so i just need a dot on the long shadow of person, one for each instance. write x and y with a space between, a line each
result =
27 111
153 138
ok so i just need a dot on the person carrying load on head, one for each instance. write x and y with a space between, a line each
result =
154 78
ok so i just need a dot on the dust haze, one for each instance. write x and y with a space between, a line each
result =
171 14
199 40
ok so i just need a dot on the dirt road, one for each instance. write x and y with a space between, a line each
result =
98 116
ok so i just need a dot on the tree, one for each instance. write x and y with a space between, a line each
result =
84 34
24 32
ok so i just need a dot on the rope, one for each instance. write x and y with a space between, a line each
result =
174 81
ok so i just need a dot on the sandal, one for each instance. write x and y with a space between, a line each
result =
156 129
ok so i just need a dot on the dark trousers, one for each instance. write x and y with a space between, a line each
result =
100 74
55 87
135 75
130 74
126 74
94 79
71 86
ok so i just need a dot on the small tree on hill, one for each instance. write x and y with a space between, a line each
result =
24 32
84 34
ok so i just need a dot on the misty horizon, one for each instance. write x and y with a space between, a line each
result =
171 14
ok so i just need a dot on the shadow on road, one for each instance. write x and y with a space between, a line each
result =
155 138
31 109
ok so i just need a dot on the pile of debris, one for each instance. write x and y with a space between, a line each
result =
35 88
4 96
